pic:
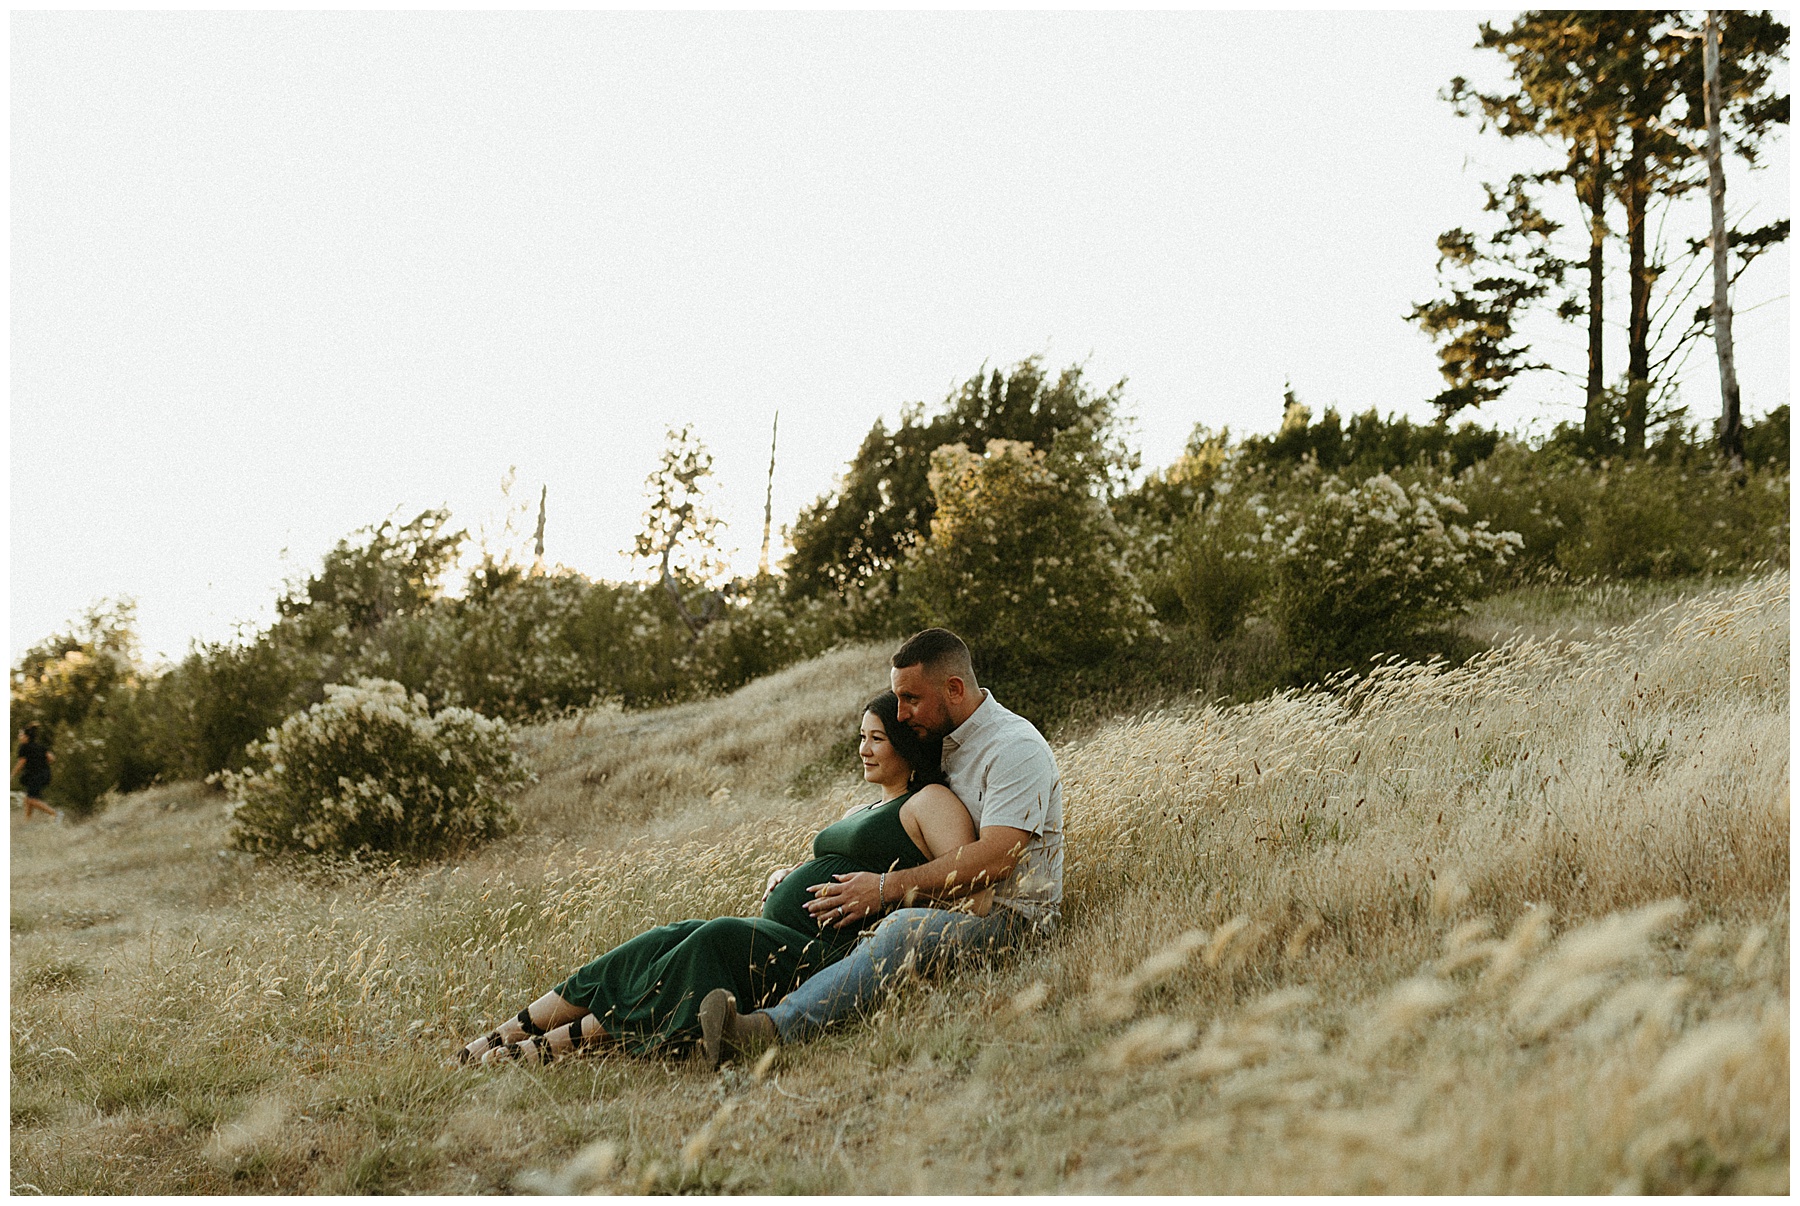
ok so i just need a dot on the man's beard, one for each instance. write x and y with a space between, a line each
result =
925 733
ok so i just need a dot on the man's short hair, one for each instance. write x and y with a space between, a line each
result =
940 651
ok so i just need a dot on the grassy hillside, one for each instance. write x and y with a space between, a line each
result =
1521 926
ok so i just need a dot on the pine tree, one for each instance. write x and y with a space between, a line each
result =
1558 62
1492 283
1617 94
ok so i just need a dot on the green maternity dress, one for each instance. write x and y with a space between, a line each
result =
647 991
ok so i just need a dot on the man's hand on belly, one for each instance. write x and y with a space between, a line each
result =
846 900
854 898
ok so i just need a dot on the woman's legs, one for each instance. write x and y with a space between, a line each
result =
32 802
553 1044
547 1013
646 993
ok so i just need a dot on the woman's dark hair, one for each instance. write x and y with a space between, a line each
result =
31 730
923 754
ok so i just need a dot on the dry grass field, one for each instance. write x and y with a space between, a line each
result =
1519 926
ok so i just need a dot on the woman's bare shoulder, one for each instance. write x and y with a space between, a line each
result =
942 820
936 795
938 805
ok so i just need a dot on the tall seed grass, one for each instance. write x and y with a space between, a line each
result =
1516 926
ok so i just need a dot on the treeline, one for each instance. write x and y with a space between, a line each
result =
1010 512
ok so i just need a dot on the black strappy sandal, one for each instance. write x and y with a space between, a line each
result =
495 1040
546 1055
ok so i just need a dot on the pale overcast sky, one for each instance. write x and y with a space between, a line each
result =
278 275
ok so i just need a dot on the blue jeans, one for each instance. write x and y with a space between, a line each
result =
925 938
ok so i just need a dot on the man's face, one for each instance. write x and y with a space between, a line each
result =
924 705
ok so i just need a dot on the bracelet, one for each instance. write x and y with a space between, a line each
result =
881 888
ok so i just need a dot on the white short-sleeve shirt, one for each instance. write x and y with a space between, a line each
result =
1002 769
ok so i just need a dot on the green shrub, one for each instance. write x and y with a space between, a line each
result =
761 632
545 643
1541 494
1659 517
1766 440
1217 567
1155 515
1023 562
392 570
1367 444
1651 520
226 695
856 537
632 638
372 770
523 647
1357 569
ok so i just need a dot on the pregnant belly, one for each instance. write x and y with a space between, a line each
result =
787 903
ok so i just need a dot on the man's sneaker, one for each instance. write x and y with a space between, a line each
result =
727 1034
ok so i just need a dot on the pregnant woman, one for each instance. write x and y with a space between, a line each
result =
644 995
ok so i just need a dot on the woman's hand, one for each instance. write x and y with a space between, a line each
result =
775 877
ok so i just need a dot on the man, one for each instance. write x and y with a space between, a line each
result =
1002 769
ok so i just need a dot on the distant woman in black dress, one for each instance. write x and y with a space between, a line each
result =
33 769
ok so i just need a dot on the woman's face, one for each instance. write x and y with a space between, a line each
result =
880 763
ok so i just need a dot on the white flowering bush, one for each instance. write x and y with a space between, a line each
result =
1358 568
373 770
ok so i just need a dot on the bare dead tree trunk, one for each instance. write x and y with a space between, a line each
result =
762 565
538 539
1731 427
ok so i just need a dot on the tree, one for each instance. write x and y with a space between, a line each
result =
1554 57
857 535
1617 95
395 571
61 680
225 695
1656 82
1641 84
762 561
680 533
1492 283
1735 88
1731 433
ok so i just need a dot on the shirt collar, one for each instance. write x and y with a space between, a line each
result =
977 720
